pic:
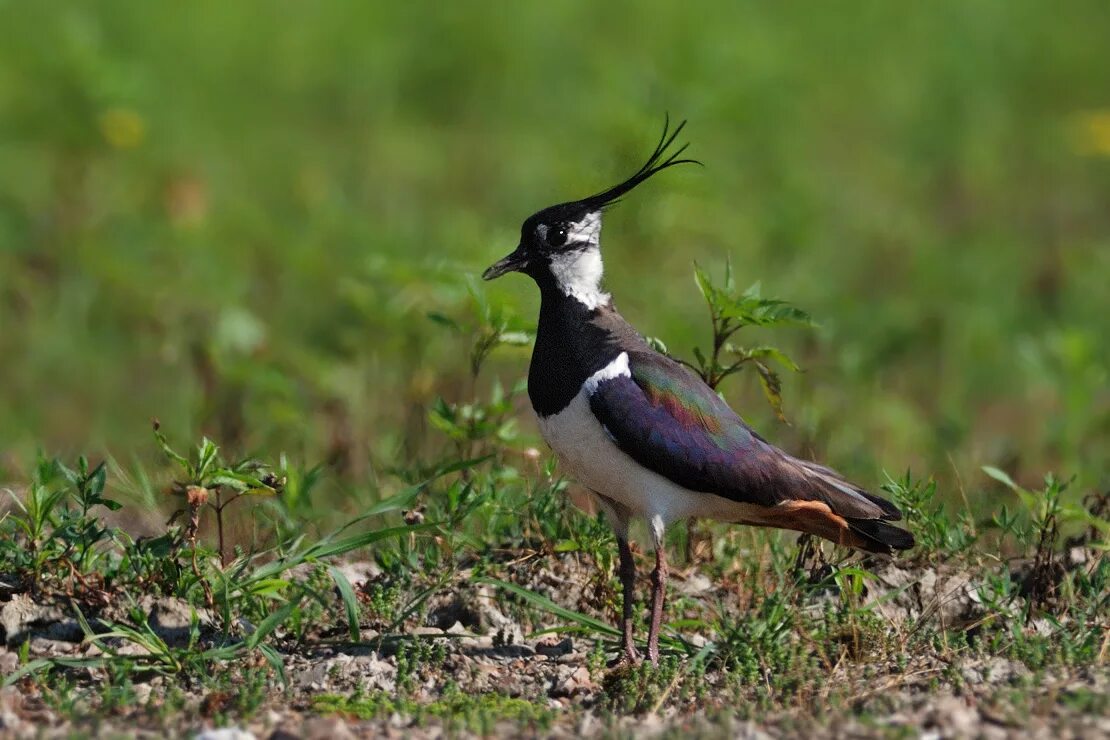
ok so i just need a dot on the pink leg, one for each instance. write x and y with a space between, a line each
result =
618 516
628 582
658 588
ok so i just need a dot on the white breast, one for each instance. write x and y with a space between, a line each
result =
587 451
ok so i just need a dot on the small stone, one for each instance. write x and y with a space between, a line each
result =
21 617
225 733
578 681
508 634
1078 556
698 640
749 731
10 721
466 638
993 732
9 661
695 584
972 674
142 693
171 619
44 647
271 718
491 618
374 674
326 728
954 717
361 572
133 649
1046 627
1000 669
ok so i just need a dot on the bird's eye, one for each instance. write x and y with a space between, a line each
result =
557 235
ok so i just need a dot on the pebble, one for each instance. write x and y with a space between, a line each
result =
225 733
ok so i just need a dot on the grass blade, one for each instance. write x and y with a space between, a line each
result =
583 620
269 624
331 549
350 603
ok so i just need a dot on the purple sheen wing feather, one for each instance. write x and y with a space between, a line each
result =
665 418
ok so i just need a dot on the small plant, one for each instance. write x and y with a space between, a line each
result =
1037 528
756 642
481 427
459 711
61 533
933 530
729 312
209 481
252 599
489 326
642 688
471 424
416 658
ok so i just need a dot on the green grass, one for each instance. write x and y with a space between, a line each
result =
761 647
263 227
458 711
238 220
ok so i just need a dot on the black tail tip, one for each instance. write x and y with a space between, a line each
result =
880 536
890 511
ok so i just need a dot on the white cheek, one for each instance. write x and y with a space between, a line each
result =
578 275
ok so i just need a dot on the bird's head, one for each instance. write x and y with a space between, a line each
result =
561 245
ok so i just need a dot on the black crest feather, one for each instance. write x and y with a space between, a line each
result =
659 160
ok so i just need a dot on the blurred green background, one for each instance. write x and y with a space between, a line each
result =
237 216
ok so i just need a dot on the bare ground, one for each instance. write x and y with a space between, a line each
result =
466 665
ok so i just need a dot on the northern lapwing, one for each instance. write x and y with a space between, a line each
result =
644 433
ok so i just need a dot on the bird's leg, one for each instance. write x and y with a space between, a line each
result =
628 582
658 586
618 516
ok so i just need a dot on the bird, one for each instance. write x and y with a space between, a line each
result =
646 435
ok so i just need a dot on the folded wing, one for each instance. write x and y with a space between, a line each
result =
669 421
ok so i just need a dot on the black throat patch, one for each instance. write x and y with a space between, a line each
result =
572 343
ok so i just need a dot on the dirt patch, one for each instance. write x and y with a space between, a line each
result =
466 665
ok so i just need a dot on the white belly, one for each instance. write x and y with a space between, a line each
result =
589 454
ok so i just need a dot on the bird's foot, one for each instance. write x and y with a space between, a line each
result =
628 658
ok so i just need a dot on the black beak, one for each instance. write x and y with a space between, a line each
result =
518 260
